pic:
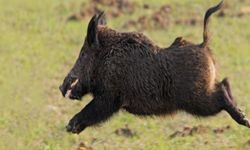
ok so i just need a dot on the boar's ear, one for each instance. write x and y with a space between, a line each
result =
92 37
102 19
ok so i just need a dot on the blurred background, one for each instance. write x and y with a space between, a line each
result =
40 41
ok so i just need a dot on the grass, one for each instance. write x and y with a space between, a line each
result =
37 48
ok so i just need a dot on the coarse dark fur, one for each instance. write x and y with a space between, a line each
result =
127 71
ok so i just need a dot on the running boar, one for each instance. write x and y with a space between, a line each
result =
128 71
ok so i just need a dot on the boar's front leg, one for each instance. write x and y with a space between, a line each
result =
97 111
78 91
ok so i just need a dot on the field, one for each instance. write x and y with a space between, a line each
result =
38 46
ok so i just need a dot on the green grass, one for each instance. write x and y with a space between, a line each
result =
37 48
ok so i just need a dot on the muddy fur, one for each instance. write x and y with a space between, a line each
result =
128 71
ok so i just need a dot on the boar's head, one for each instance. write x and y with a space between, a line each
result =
83 66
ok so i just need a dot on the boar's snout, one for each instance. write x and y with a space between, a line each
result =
67 84
63 90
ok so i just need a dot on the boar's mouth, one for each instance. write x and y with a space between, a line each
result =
68 82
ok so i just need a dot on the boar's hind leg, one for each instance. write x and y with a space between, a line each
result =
230 105
97 111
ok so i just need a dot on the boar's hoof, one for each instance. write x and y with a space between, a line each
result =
75 125
69 128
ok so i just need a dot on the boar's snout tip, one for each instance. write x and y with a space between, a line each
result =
62 90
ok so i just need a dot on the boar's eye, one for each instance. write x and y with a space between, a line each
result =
92 37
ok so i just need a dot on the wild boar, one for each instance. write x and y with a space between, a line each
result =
128 71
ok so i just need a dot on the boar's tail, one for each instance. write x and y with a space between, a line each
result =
209 12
